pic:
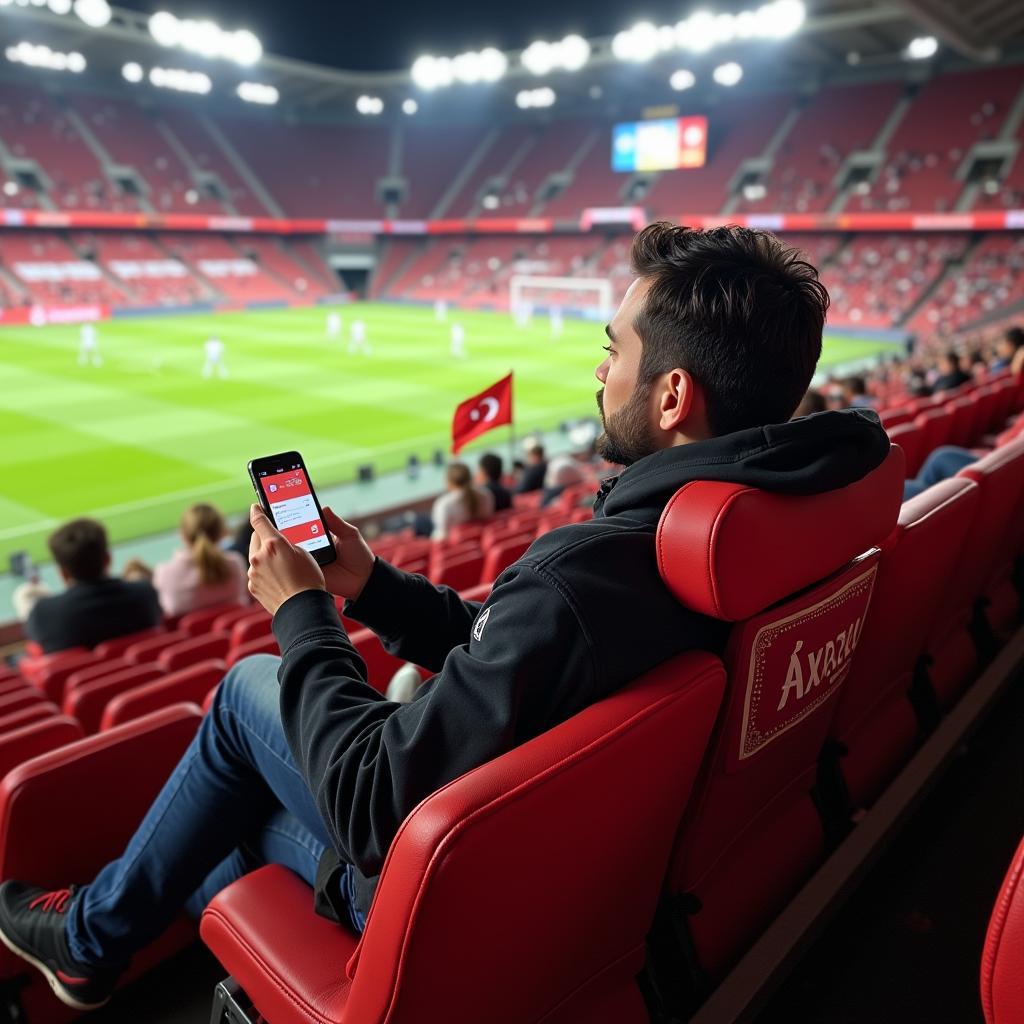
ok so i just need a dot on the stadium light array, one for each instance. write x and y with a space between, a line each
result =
702 31
370 105
682 79
205 38
527 98
35 55
728 74
180 80
258 92
95 13
132 72
922 47
568 54
410 106
487 65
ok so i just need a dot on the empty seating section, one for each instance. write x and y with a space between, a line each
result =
132 140
492 172
337 175
208 157
593 183
277 263
309 255
432 157
737 129
919 173
834 123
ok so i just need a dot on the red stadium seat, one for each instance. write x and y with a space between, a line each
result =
151 648
531 499
437 942
910 437
95 790
262 645
29 697
875 726
97 670
1002 963
191 684
458 572
200 623
226 620
752 834
117 646
960 623
255 626
86 703
15 685
189 652
502 554
936 425
478 593
27 715
380 666
419 565
895 417
35 738
966 410
466 531
50 673
34 666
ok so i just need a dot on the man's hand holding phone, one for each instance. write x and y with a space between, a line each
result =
278 569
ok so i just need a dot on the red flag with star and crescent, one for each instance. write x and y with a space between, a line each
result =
475 416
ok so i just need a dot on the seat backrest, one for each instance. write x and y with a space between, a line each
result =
255 626
86 702
149 650
188 652
501 555
120 644
910 437
460 886
459 572
936 424
735 553
95 670
25 698
1002 963
35 738
380 666
200 623
52 673
191 685
261 645
965 410
25 716
916 565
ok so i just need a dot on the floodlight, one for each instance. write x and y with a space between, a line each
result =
493 64
132 72
76 63
467 67
95 13
728 74
410 106
538 58
698 32
60 6
922 47
369 105
783 17
682 79
180 80
575 52
257 92
164 28
245 48
527 98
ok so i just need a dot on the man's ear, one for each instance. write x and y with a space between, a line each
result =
678 396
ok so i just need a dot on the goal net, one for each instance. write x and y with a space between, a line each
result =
585 296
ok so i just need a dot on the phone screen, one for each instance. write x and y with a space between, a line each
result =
290 500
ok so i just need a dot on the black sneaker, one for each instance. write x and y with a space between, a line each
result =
32 927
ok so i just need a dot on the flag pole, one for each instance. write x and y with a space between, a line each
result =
511 428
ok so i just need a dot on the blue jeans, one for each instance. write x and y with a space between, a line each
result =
235 801
941 464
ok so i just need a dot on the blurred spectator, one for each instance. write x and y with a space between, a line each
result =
855 393
812 402
462 503
533 475
563 471
1007 347
201 573
488 476
940 465
951 374
94 607
240 541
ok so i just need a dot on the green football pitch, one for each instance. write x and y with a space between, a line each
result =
133 441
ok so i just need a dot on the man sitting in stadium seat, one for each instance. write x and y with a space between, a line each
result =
488 476
533 475
94 607
299 761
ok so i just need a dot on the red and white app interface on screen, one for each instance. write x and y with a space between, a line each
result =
291 503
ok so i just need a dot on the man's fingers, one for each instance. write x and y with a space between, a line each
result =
336 524
261 524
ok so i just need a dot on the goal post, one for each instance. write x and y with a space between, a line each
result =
588 296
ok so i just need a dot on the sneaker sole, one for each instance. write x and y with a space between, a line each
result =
55 983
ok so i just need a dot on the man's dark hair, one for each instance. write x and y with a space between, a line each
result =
954 358
490 466
538 450
1015 336
80 549
738 310
857 385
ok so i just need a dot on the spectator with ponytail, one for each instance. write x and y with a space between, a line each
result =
201 573
461 503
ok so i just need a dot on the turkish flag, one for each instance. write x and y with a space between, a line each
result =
475 416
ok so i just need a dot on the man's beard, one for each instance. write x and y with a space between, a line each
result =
627 433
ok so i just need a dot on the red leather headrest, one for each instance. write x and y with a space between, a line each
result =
730 551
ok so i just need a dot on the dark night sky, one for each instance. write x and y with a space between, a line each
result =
385 35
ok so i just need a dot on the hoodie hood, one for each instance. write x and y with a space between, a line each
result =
810 455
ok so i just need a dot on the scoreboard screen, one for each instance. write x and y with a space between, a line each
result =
661 145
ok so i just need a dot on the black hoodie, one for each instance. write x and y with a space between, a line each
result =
582 613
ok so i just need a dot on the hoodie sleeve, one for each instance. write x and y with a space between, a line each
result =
415 620
368 761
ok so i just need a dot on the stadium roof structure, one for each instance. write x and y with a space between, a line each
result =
838 39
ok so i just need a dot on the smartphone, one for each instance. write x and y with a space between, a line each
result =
286 493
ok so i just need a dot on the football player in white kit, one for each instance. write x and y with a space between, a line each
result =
523 313
333 325
357 338
458 341
556 322
214 350
89 346
441 310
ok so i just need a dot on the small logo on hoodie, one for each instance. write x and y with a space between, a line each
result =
478 626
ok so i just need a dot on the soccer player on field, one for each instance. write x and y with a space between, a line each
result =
333 325
458 341
89 346
357 338
214 349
